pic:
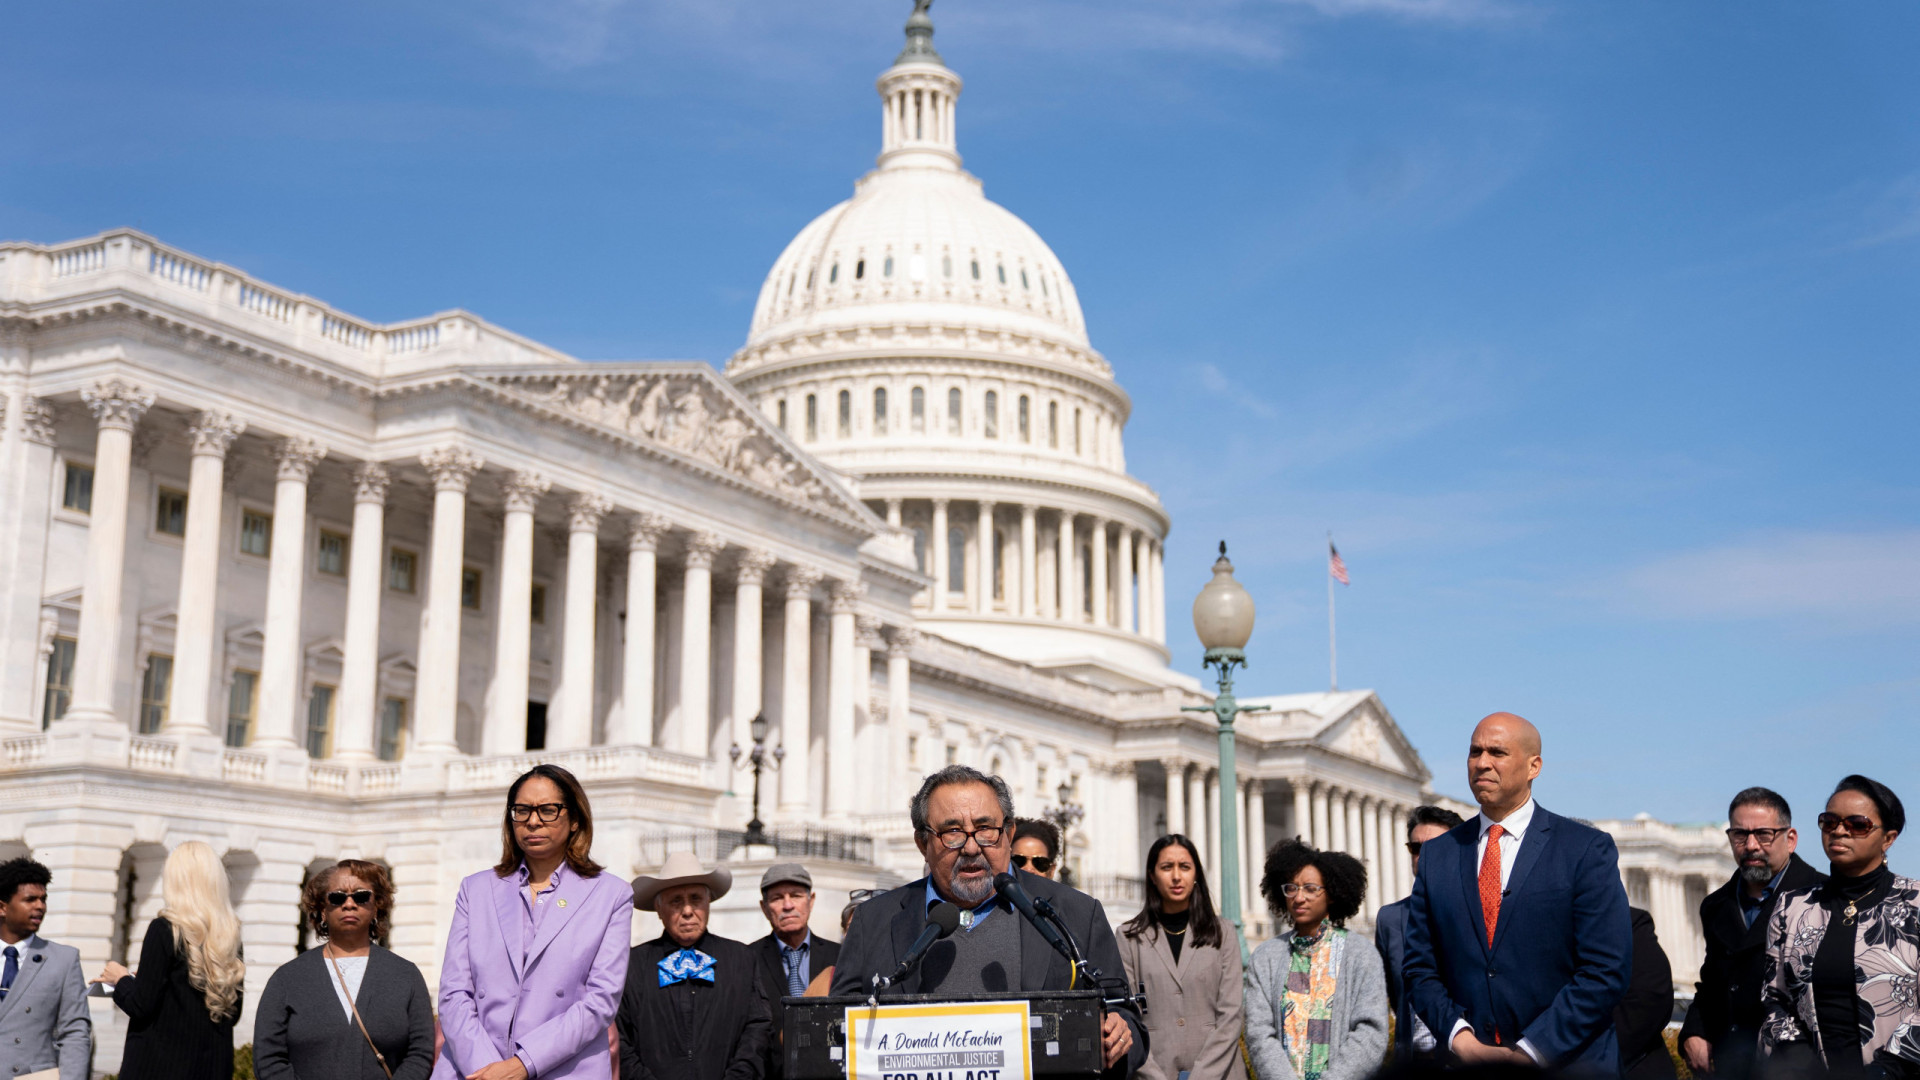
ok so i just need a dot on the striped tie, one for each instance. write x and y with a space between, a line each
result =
796 961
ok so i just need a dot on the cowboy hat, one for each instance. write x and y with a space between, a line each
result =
681 868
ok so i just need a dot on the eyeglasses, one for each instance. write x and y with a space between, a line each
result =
955 839
1042 864
1413 847
339 898
1855 824
861 896
1293 889
549 812
1765 836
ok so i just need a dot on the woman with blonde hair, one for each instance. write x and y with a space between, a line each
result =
182 1004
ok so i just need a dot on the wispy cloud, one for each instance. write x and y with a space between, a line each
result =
1891 215
1856 579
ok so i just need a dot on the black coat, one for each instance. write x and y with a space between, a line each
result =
884 928
1727 997
730 1022
302 1032
170 1035
821 955
1640 1020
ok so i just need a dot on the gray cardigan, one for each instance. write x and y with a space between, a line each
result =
302 1032
1359 1011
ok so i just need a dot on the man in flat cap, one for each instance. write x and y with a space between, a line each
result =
694 1008
791 955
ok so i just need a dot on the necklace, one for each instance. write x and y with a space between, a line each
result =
1177 933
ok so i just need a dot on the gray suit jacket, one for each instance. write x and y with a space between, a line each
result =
44 1021
1359 1044
1195 1008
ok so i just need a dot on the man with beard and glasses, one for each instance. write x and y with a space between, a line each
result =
1722 1030
963 825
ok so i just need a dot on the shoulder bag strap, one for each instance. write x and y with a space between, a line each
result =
359 1023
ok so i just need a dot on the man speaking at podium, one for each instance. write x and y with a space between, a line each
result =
963 825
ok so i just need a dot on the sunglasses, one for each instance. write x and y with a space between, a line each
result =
339 898
1413 847
1853 824
1042 864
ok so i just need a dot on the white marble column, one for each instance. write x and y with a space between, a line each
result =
279 723
893 516
505 731
1068 573
358 704
1403 817
1302 823
1176 796
1336 821
1256 837
1242 833
1375 861
796 693
1029 561
1159 593
749 610
869 739
1384 860
195 633
1125 557
30 509
117 406
696 647
937 547
636 692
1214 826
983 544
438 682
900 642
1198 824
1100 582
1356 836
842 773
573 727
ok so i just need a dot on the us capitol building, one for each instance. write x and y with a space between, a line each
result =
304 587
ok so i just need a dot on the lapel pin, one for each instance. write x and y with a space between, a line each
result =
562 901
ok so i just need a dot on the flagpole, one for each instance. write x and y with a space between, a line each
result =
1333 648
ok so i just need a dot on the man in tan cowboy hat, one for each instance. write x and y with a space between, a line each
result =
694 1008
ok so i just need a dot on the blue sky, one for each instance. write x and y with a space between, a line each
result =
1589 330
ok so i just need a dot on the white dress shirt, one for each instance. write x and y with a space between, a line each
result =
1513 834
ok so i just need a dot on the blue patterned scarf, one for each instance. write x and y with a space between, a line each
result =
688 963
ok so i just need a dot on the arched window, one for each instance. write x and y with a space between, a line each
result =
956 560
1023 279
782 409
1002 267
976 269
1076 431
859 269
880 410
845 414
1053 425
886 268
953 411
992 417
813 417
1026 423
1043 286
833 275
919 408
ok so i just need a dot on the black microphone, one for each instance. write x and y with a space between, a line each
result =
1010 890
942 919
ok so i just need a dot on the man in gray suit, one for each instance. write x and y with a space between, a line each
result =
1410 1036
44 1024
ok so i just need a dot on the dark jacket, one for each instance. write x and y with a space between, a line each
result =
821 955
170 1036
1562 949
1390 937
727 1033
302 1032
1727 997
884 928
1640 1020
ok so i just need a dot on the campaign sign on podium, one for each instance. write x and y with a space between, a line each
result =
978 1040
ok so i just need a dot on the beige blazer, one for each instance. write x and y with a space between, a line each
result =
1194 1008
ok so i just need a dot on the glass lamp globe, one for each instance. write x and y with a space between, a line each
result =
1223 612
1063 793
757 727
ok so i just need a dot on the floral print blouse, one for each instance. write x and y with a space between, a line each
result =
1886 963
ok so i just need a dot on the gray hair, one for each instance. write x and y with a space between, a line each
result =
957 774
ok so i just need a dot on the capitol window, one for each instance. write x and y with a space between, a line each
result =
1003 273
331 556
256 533
844 426
77 495
1043 286
919 408
886 268
1026 425
470 582
1053 425
320 722
946 266
401 565
920 549
780 408
880 410
953 411
59 679
976 269
539 604
393 729
243 697
1076 431
957 560
170 512
833 275
813 417
154 686
999 566
1023 280
992 418
859 269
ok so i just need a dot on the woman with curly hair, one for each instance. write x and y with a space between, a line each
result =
381 997
1316 1000
182 1005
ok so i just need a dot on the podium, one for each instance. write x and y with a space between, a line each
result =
1065 1030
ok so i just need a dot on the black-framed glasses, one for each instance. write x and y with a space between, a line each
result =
1042 864
1413 847
1292 888
1854 824
956 838
547 812
1765 836
339 897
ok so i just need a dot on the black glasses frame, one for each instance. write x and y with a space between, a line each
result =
1413 847
1765 836
548 813
1041 863
955 839
1857 825
339 897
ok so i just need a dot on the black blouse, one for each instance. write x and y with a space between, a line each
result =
170 1035
1836 997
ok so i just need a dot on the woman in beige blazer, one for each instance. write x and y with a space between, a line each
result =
1188 960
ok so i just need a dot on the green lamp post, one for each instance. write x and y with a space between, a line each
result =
1223 620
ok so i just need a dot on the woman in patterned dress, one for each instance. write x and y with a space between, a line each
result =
1843 956
1316 998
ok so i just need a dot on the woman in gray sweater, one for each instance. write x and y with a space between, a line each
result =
1316 997
348 1010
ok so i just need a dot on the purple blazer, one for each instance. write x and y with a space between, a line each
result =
553 1013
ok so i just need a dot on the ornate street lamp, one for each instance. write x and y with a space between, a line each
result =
1223 620
758 759
1064 815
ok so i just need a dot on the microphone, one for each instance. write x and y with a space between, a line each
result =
942 919
1010 890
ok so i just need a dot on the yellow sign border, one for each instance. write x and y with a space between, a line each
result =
870 1013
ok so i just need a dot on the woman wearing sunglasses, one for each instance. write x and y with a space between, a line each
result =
1187 960
1841 955
350 1009
1316 996
537 953
1036 846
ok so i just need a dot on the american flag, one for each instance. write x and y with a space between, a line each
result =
1336 565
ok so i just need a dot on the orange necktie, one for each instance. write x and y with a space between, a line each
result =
1490 881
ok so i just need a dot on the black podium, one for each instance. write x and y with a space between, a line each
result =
1065 1025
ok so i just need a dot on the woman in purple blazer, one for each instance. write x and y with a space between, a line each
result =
537 955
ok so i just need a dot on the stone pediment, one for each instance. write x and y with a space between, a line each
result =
1363 735
687 410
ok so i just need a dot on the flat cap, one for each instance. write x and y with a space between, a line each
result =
786 873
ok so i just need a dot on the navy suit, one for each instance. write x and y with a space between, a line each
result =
1562 951
1390 937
